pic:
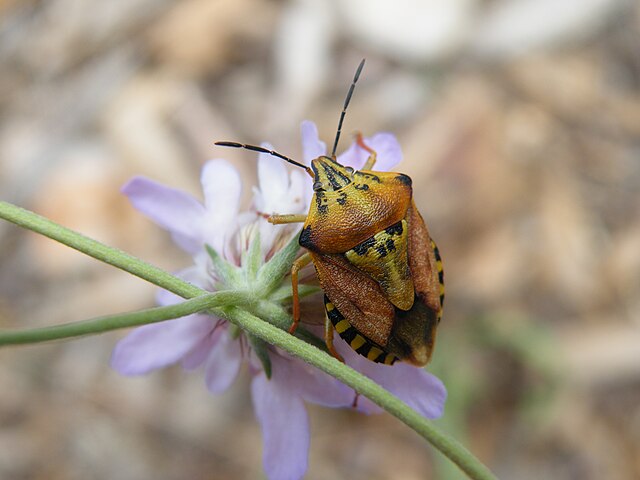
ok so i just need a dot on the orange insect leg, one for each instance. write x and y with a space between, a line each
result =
278 219
295 268
328 339
372 154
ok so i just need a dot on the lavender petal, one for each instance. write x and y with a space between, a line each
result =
285 427
158 345
172 209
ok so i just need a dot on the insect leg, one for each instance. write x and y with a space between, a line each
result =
295 268
287 218
328 338
372 153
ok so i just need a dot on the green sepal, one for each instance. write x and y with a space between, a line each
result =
252 258
229 274
271 274
261 349
234 331
285 294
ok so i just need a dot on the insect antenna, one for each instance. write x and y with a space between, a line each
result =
256 148
344 108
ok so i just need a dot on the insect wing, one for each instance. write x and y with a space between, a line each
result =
357 296
425 270
414 331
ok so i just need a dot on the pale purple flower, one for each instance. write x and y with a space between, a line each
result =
213 344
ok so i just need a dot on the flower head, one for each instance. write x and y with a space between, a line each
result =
280 384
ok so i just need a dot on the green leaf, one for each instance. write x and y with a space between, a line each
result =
252 260
261 349
271 274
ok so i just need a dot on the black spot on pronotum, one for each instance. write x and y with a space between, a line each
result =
404 179
321 202
375 178
368 176
361 186
305 237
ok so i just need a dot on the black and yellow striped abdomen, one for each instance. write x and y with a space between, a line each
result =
355 339
436 254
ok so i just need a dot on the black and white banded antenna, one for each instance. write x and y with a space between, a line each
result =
256 148
344 108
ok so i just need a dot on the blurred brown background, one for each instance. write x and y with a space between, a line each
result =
520 124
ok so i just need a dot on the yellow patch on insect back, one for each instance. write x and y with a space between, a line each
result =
384 257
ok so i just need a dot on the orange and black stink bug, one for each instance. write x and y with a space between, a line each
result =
380 271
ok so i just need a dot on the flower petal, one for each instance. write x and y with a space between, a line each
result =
312 384
285 427
196 275
384 144
199 353
273 178
280 191
160 344
222 188
420 389
172 209
312 147
223 363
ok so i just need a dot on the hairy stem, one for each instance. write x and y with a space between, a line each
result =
114 322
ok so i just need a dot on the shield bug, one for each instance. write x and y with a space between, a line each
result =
380 271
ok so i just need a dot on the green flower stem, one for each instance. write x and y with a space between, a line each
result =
114 322
448 446
112 256
255 326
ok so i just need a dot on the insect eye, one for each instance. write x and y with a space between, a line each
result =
317 186
349 169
